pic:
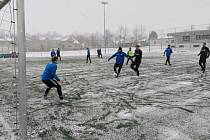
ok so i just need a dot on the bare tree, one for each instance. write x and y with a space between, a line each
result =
123 34
139 33
120 31
109 38
99 39
153 35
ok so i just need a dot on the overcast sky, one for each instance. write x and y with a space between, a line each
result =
86 16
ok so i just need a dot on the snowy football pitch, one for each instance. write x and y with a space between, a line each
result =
164 102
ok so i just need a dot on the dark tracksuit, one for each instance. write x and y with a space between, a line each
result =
49 78
88 56
136 63
59 54
120 55
168 52
204 54
100 53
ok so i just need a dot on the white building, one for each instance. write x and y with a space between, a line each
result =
191 38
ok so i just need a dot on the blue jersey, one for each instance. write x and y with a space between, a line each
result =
53 53
168 52
50 72
120 55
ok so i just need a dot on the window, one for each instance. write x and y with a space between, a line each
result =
198 37
186 38
202 37
172 41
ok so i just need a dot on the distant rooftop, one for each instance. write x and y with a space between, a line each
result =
190 32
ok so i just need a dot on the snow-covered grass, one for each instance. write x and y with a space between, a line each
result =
162 103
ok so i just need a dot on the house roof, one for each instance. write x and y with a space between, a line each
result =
3 3
195 32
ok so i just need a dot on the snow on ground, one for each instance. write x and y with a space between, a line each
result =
163 103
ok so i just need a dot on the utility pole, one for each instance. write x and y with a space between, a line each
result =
22 69
104 3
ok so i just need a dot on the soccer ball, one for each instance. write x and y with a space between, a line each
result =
115 75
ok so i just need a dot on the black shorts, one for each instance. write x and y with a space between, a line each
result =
51 83
118 65
202 60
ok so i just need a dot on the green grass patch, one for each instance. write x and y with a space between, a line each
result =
128 124
67 133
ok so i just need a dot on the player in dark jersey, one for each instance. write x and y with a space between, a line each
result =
136 63
59 54
204 54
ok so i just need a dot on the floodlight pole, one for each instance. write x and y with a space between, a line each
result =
191 28
22 69
149 40
161 47
14 43
175 37
104 3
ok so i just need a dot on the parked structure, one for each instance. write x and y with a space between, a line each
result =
190 38
162 42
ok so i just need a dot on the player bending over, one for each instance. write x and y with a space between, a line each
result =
50 79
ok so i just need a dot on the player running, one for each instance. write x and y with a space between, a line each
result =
120 55
136 63
168 51
204 54
130 56
88 56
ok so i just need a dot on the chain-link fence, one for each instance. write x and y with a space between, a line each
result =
8 81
